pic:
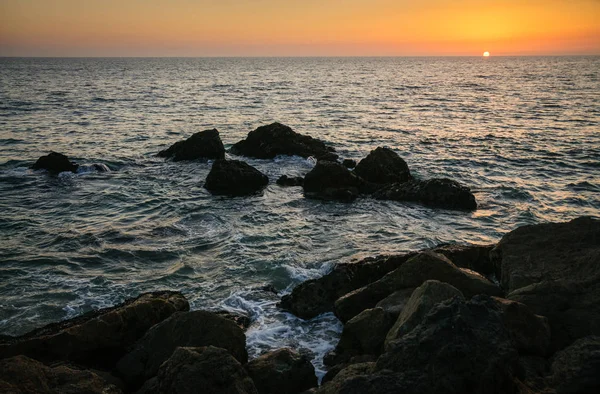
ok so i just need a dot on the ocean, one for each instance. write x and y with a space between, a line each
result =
522 132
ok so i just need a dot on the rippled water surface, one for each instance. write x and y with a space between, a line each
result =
523 133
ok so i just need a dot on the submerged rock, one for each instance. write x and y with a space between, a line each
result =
383 166
266 142
330 180
282 371
234 178
285 180
97 338
55 163
202 145
437 192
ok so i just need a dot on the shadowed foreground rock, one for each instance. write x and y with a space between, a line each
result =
282 371
97 338
266 142
202 145
55 163
575 369
234 178
330 180
383 166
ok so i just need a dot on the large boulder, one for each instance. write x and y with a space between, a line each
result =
23 375
192 370
424 266
423 299
201 145
266 142
554 269
234 178
575 368
316 296
184 329
383 166
97 338
471 256
55 163
282 371
437 192
330 180
395 303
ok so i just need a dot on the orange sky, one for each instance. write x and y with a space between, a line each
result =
297 28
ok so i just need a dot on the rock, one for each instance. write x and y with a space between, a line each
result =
424 266
24 375
284 180
192 370
316 296
55 163
241 320
344 374
473 257
234 178
530 332
554 269
204 145
266 142
349 163
459 347
396 302
282 371
531 375
97 338
437 192
184 329
357 379
330 180
383 166
575 368
423 299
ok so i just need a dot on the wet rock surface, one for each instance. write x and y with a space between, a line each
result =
383 166
234 178
203 145
332 181
285 180
55 163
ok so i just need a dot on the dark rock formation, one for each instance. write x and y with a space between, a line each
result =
184 329
282 371
202 145
24 375
575 368
383 166
243 321
330 180
266 142
55 163
317 296
395 303
234 178
473 257
285 180
437 192
554 269
335 383
98 338
192 370
349 163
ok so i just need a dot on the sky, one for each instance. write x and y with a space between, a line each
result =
298 28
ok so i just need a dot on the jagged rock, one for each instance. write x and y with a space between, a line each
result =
202 145
317 296
192 370
285 180
266 142
424 266
437 192
330 180
234 178
554 269
396 302
55 163
24 375
282 371
383 166
423 299
97 338
184 329
473 257
349 163
575 368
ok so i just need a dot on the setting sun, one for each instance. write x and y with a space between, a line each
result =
486 54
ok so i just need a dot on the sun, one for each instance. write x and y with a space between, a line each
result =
486 54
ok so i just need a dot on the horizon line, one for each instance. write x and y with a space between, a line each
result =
291 56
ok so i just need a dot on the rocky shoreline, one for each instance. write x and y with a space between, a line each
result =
520 316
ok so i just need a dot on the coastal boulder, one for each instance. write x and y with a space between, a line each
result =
282 371
575 368
184 329
436 192
330 180
97 338
349 163
285 180
266 142
473 257
205 145
395 303
24 375
383 166
234 178
55 163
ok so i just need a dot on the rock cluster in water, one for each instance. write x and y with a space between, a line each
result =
433 321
